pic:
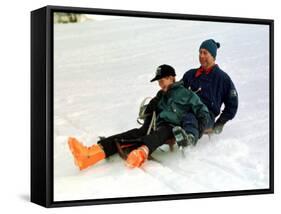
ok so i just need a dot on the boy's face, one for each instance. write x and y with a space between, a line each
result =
165 83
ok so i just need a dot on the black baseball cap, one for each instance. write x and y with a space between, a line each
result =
164 71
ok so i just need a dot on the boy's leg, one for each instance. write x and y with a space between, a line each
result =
86 156
109 144
149 143
158 138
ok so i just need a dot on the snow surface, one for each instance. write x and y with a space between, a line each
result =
102 71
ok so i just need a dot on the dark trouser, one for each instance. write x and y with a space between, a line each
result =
191 124
138 137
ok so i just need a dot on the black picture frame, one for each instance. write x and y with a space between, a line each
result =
42 91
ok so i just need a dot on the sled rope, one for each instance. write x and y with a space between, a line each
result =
152 123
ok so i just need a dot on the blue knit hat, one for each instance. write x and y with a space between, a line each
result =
210 45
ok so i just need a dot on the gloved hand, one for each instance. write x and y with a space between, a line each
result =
152 105
218 127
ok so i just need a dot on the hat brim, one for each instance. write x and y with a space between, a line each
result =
159 77
155 78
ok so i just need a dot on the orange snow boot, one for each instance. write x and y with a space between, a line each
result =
85 156
137 157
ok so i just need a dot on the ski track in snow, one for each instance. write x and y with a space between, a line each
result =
102 76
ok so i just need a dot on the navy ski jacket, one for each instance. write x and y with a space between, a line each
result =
214 89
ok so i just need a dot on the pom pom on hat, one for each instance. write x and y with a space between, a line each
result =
218 44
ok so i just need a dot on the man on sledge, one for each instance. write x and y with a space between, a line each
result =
213 86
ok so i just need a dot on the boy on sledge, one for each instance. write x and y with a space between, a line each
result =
170 104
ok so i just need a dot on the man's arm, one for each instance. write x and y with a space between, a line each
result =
230 100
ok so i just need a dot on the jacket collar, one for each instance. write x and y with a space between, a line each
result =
201 70
173 86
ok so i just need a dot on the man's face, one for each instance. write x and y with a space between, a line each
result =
165 83
205 58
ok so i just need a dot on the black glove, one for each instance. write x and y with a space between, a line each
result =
152 105
218 127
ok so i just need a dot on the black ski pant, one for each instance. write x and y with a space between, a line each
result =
139 137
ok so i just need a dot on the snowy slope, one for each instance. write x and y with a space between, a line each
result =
102 72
